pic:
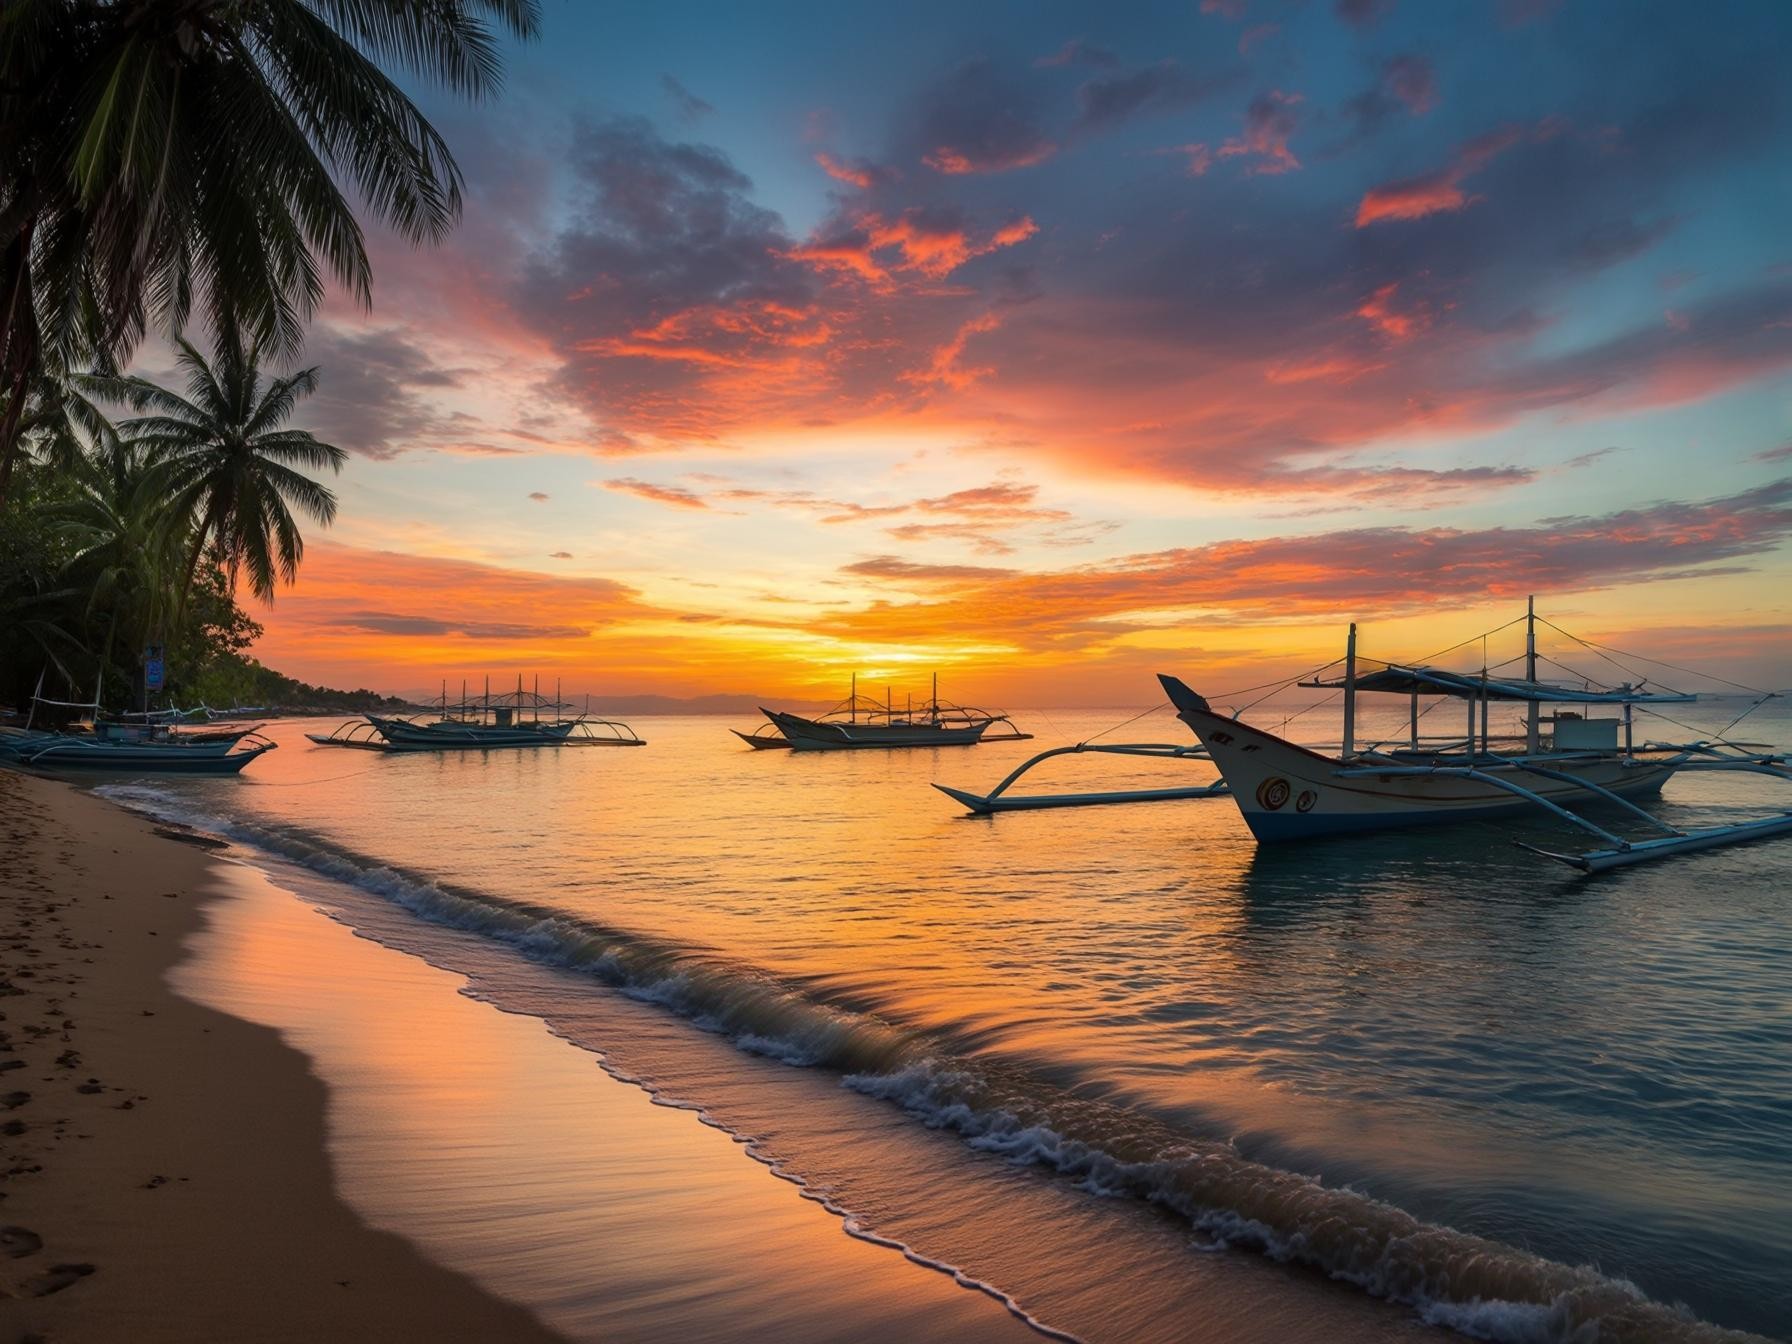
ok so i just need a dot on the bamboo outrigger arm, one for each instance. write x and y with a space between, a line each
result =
1620 851
996 800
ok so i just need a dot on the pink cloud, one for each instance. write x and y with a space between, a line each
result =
1432 193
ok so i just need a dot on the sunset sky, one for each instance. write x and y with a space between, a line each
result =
1050 345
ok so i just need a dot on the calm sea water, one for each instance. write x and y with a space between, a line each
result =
1142 1050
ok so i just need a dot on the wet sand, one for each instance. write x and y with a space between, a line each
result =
176 1172
165 1171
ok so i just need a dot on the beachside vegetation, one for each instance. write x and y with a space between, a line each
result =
138 530
167 165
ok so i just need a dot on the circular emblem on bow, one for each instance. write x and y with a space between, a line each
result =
1273 793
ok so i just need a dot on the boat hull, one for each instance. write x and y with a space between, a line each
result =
467 737
1286 792
762 743
137 760
810 735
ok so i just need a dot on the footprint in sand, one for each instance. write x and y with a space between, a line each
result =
19 1242
56 1278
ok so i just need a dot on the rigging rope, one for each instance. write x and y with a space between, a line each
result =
1672 667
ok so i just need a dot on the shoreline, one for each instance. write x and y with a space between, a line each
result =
240 1120
138 1197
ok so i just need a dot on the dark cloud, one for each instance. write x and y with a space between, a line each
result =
376 395
1614 240
1105 101
909 571
688 106
1363 13
386 623
665 268
1079 52
979 119
1269 121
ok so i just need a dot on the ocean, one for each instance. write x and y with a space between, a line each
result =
1120 1062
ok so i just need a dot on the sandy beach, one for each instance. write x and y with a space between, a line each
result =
166 1176
230 1118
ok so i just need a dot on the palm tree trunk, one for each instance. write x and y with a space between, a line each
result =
18 333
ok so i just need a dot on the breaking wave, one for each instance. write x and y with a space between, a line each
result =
1481 1288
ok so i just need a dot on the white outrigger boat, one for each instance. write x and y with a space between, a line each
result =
859 722
1564 761
511 719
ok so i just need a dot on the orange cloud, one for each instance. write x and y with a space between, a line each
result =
925 242
1325 368
1430 193
862 178
1379 571
1378 310
957 163
944 369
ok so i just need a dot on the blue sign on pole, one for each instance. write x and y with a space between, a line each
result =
153 670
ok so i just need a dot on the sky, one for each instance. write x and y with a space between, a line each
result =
1050 345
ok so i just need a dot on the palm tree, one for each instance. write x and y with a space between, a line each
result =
127 547
229 465
158 155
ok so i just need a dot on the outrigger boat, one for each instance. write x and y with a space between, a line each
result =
766 737
860 723
492 722
147 743
1563 761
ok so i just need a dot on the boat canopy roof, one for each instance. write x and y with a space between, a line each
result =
1398 680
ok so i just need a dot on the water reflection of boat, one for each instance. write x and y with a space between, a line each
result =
860 722
1564 759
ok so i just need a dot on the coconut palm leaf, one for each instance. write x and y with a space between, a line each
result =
228 465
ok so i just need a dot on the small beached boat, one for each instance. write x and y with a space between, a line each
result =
860 723
1565 759
147 743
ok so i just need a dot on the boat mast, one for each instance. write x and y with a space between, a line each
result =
1531 744
854 700
1350 692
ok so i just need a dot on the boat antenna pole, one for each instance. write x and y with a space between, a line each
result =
1531 744
1350 692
